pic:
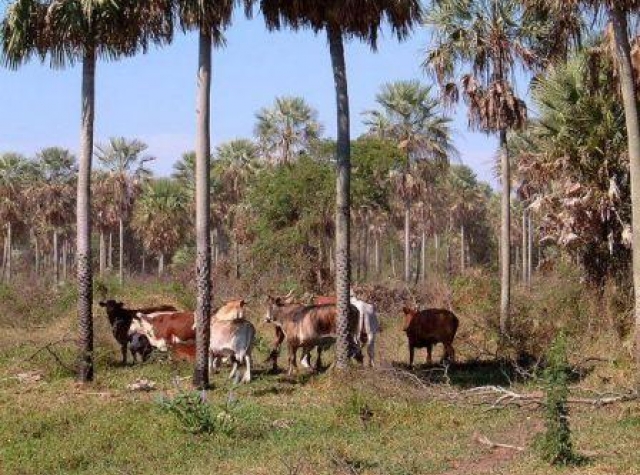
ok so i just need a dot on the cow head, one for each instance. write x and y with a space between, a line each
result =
272 305
232 310
409 314
111 305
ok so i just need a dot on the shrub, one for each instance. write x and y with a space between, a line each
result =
197 416
556 444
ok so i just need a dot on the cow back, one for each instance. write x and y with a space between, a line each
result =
432 326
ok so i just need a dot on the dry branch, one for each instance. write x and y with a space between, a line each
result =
486 441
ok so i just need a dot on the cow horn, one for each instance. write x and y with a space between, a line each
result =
289 294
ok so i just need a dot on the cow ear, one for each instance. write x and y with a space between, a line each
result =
242 302
278 301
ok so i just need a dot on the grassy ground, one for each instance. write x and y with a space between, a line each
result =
365 422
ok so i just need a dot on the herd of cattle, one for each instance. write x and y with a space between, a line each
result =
299 325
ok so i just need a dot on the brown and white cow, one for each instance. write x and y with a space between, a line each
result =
122 320
308 326
426 328
166 328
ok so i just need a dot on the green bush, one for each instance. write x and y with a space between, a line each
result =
197 416
556 444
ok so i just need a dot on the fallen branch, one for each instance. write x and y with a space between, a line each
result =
486 441
48 348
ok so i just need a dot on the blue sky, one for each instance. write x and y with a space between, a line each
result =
152 97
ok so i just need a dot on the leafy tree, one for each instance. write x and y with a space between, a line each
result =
342 19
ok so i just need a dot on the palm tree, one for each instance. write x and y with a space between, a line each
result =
210 19
51 195
415 122
490 37
286 129
12 167
342 19
83 30
160 218
126 170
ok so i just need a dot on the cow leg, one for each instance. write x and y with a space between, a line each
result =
292 359
305 359
411 354
124 350
234 368
273 356
371 343
319 359
449 353
246 378
429 353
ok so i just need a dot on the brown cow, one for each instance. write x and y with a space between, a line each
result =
308 326
426 328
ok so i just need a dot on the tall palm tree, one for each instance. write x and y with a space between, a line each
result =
160 218
490 37
51 195
286 129
342 19
69 31
210 19
618 12
126 170
414 120
12 168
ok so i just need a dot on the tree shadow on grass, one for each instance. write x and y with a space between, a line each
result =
477 372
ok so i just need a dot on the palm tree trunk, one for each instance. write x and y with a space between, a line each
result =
65 257
407 244
529 248
436 243
524 247
393 260
365 270
160 265
121 256
83 237
505 256
629 97
203 179
7 267
55 258
236 258
462 244
423 254
377 253
103 253
110 252
343 186
37 256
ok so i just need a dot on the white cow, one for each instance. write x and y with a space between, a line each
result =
234 339
368 325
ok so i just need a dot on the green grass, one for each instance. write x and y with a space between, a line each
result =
307 424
